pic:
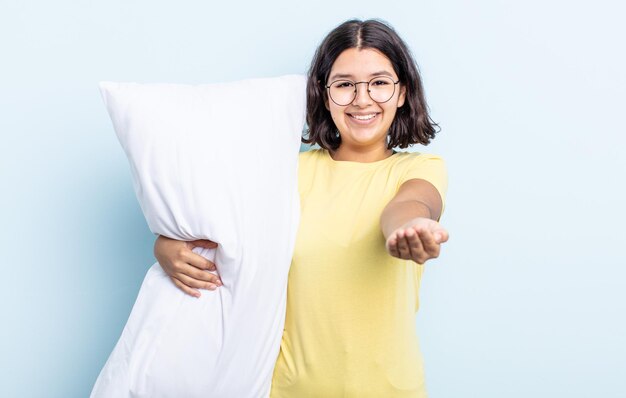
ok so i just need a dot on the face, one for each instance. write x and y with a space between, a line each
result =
364 123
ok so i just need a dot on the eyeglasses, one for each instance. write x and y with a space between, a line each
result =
380 89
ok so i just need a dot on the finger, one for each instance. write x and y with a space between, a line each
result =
441 235
204 276
427 239
403 245
192 272
417 253
431 247
392 246
185 288
196 283
197 261
207 244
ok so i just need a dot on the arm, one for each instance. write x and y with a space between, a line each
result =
185 268
409 224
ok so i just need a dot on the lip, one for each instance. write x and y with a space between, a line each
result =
363 122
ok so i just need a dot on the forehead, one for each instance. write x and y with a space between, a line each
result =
360 64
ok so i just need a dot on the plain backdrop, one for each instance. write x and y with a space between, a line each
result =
528 297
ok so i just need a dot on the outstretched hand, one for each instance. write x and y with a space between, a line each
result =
419 240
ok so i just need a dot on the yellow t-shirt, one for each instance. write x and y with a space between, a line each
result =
350 324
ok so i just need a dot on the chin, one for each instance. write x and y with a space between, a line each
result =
365 140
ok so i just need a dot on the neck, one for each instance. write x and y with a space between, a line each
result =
363 155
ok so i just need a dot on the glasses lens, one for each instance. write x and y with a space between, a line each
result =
342 92
381 88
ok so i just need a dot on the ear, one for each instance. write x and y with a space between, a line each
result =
402 95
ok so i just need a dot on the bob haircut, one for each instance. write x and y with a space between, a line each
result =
411 125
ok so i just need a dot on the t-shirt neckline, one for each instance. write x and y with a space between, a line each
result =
355 163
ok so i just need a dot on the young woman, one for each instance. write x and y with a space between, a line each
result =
369 222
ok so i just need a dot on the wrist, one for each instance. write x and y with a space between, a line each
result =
403 214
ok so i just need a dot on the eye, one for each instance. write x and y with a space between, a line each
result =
344 84
380 82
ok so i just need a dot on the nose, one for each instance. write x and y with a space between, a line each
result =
362 97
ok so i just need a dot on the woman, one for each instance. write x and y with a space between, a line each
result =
369 222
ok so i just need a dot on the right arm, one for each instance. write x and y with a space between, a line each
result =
185 268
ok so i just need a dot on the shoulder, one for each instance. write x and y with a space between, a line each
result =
311 155
418 157
308 162
423 166
411 160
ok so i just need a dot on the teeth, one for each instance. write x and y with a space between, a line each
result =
363 117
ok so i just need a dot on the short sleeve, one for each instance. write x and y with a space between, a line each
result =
431 168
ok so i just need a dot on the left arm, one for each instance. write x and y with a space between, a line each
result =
409 222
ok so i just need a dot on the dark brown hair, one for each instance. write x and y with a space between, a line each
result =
411 125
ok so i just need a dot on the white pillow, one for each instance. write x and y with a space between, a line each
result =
214 162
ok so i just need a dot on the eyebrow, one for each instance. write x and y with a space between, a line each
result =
349 76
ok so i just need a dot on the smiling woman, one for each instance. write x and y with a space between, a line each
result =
366 210
369 221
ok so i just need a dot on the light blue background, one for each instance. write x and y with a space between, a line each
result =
528 298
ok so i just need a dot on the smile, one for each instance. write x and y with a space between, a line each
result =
363 118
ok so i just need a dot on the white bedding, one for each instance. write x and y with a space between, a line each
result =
214 162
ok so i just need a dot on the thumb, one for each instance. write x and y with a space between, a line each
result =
441 236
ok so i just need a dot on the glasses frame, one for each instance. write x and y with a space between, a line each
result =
355 89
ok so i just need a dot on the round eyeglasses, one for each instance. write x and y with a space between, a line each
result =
380 89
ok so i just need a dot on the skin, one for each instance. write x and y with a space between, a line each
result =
185 268
363 143
408 222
